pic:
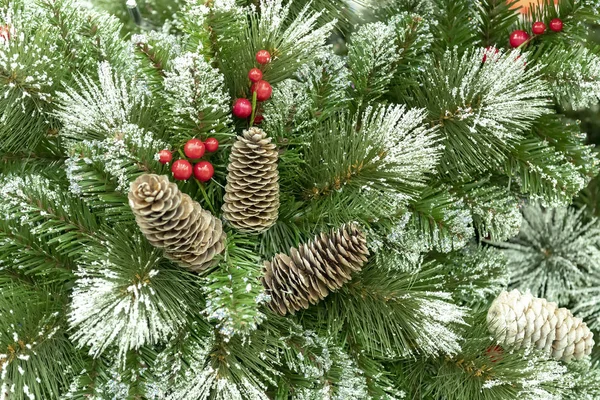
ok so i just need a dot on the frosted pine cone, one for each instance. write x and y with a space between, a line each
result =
252 191
171 220
314 269
521 321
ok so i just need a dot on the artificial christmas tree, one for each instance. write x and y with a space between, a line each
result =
275 199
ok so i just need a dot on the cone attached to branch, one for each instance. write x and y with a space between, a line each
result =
520 321
314 269
171 220
252 191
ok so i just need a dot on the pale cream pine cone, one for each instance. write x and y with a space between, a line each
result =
521 321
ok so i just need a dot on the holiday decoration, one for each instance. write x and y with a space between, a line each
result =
211 145
172 221
314 269
521 321
556 25
165 156
255 75
538 28
204 171
263 90
194 149
182 170
252 190
263 57
517 38
258 119
242 108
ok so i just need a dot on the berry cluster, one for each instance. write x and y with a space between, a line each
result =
242 108
194 149
518 37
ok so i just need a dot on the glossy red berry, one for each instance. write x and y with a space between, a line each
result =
255 75
263 57
538 28
263 90
242 108
204 171
258 119
165 156
211 144
194 149
556 25
182 170
519 37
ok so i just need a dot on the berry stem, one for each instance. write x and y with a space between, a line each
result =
253 108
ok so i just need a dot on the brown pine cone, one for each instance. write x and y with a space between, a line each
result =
252 191
314 269
171 220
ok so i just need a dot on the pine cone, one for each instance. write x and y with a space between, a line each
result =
521 321
314 269
171 220
252 191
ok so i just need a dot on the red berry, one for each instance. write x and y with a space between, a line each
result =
263 57
242 108
165 156
204 171
255 75
488 51
517 38
194 149
211 144
5 32
263 90
539 28
182 170
258 119
556 25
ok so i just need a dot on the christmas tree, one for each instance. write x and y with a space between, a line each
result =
277 199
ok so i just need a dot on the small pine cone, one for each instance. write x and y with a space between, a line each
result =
314 269
521 321
171 220
252 191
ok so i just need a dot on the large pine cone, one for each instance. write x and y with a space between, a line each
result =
171 220
314 269
520 321
252 191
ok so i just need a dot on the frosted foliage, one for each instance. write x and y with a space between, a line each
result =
508 96
577 81
16 205
587 306
410 149
556 253
193 88
290 102
112 308
328 74
297 39
373 55
436 315
352 383
115 155
90 110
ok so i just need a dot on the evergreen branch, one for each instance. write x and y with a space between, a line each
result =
495 19
391 315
